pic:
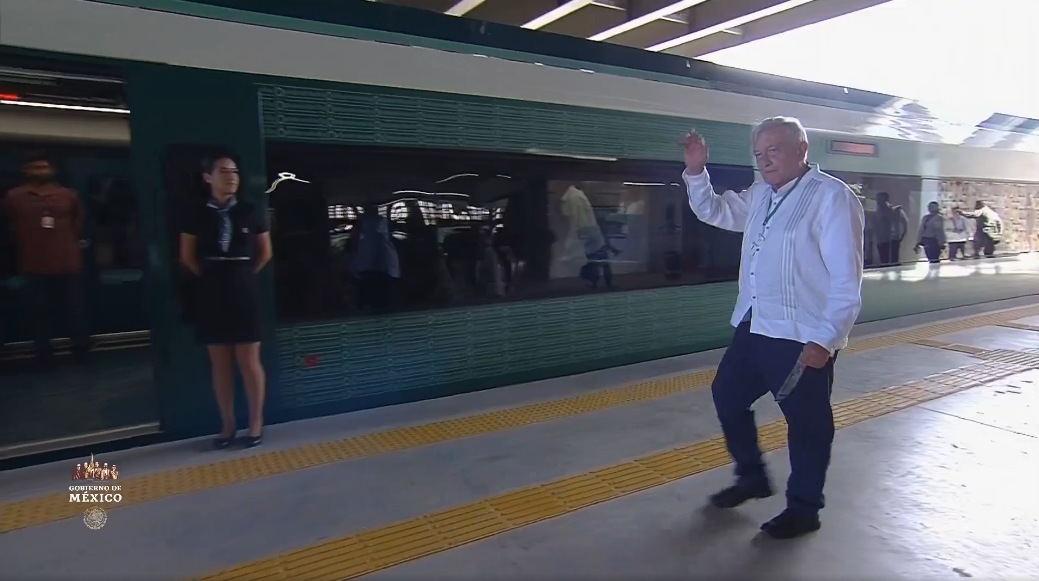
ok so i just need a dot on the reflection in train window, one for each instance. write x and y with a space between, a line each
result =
116 239
389 230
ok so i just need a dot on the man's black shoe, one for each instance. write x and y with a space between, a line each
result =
790 525
734 496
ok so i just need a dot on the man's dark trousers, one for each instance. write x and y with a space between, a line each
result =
59 293
752 366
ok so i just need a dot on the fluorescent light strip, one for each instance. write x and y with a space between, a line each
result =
553 15
740 21
463 7
645 19
65 107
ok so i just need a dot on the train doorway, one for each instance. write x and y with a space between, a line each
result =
75 332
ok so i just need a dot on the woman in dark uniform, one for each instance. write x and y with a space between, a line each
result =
225 242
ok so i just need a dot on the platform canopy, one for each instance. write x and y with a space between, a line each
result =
685 27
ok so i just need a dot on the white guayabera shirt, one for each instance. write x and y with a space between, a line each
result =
801 263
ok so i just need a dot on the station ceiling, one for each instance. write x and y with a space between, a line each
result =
689 28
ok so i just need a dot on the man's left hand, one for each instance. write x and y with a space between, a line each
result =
815 355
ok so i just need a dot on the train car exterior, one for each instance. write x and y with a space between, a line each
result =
548 188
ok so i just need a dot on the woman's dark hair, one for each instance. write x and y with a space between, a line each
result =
210 162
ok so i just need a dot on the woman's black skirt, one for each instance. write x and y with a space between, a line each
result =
227 304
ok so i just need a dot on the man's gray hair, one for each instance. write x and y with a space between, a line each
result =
789 124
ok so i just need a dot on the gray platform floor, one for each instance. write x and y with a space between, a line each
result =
942 490
919 494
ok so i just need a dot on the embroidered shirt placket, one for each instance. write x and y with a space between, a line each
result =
775 200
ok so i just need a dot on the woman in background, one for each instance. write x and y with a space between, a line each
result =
932 234
957 233
225 242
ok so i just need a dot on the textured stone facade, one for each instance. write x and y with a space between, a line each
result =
1015 204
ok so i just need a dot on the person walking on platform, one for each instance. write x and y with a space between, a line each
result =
890 225
932 234
800 293
988 231
225 242
956 233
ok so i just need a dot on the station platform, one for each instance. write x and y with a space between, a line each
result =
597 476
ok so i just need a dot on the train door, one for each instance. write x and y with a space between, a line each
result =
75 349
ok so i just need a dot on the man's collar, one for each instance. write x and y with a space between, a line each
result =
789 186
228 203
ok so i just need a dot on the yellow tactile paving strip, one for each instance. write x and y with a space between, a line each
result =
376 549
969 349
54 507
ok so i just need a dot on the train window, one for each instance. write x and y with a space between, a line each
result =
362 230
115 221
87 297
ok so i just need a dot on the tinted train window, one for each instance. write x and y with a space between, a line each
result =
359 231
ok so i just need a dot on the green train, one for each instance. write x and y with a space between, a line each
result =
537 227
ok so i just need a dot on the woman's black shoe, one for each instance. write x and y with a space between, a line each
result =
223 442
253 441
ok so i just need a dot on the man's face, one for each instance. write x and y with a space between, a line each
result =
932 208
780 157
39 171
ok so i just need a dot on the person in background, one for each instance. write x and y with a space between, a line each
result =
956 234
889 229
932 234
46 222
800 292
225 242
988 229
375 262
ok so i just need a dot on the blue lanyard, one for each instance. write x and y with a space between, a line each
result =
772 211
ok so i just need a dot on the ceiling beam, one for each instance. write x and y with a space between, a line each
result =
463 7
646 19
562 11
727 25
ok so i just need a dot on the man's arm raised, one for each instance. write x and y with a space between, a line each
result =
727 211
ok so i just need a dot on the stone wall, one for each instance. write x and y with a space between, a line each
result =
1015 204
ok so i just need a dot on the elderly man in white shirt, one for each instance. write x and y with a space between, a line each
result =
800 293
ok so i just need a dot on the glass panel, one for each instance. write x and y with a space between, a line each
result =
63 287
894 207
361 230
1010 216
1012 205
